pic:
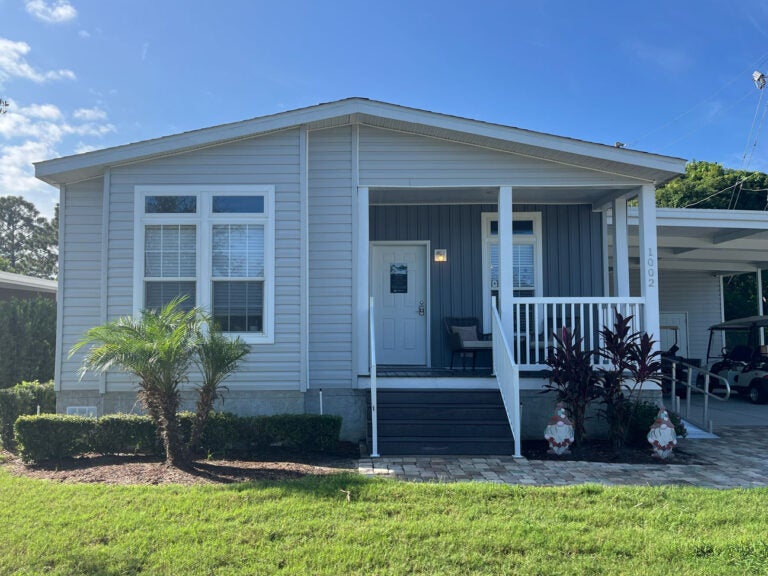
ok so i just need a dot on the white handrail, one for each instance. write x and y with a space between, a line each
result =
507 376
691 388
372 368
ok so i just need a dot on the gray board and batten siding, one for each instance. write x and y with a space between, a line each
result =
571 254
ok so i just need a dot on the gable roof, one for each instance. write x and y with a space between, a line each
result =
641 165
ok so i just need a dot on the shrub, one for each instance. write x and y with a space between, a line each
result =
306 432
23 399
223 434
125 434
52 436
48 437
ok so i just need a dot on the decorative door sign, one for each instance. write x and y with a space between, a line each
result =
398 278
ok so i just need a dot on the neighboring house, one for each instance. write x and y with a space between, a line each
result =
20 286
285 225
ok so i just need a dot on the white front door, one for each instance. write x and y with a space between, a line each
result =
399 289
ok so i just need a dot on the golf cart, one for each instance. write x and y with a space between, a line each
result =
743 361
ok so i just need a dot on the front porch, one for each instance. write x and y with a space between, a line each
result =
549 265
518 273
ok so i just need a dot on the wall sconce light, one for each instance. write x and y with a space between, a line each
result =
441 255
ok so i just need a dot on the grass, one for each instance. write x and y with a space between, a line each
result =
309 527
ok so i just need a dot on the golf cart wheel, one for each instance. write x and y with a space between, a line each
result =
758 392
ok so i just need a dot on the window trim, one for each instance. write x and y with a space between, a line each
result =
203 220
487 240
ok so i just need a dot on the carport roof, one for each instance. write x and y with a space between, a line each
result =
722 242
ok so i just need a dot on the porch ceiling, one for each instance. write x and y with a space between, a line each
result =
489 195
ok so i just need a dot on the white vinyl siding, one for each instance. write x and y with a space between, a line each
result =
81 265
390 158
698 294
330 258
272 159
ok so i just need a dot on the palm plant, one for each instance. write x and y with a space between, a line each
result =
217 357
158 347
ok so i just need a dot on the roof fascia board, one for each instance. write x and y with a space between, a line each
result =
47 170
13 281
186 141
705 218
528 137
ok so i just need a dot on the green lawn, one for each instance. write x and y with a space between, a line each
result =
308 527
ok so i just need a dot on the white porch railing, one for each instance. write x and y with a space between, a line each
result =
507 376
536 319
372 367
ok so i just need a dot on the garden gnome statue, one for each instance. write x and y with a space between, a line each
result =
662 435
559 432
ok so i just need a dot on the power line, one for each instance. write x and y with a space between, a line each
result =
757 64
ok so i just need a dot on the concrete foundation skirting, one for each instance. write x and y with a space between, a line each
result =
536 407
349 404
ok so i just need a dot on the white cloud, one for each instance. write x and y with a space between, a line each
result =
35 132
82 148
13 64
90 114
84 34
53 12
144 51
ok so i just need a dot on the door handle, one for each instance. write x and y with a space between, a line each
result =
421 308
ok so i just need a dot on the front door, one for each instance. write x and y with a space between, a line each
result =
399 289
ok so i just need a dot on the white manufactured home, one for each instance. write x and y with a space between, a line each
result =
360 244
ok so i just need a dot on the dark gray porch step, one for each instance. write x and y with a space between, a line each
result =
454 422
438 396
441 429
444 446
440 412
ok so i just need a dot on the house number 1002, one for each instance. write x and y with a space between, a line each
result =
650 264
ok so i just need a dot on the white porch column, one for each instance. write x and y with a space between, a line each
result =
506 276
649 265
361 293
620 248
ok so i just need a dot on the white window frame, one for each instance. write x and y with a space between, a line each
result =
203 220
488 240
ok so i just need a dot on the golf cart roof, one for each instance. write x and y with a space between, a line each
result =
742 323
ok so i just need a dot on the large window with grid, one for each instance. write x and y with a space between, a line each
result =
214 245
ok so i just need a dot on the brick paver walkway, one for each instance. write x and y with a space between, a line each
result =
739 458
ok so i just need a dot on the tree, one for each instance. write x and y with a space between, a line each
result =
158 347
28 241
27 340
217 357
710 185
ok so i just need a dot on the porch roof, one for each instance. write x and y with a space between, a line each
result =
642 166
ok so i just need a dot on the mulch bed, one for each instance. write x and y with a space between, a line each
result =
152 470
603 451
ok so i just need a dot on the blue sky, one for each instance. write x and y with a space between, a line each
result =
666 77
